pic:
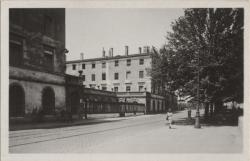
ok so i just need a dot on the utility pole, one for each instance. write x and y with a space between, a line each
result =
197 117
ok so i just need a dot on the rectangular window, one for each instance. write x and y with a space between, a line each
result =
141 74
116 89
140 88
93 66
48 57
73 67
93 77
128 73
83 66
128 62
103 65
103 76
104 88
116 63
127 88
116 76
141 61
83 77
16 54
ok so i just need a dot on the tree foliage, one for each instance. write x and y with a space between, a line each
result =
215 36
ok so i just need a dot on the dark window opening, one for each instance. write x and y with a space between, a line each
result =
116 76
15 53
116 63
128 62
93 77
103 76
128 89
141 61
83 66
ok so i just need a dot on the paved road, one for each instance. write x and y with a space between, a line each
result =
140 134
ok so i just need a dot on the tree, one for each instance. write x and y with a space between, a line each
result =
216 37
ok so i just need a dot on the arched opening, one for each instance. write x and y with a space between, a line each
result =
48 100
16 101
74 102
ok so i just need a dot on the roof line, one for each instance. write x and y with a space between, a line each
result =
108 58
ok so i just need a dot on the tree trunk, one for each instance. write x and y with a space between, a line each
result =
206 109
211 107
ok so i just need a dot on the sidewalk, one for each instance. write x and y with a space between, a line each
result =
92 119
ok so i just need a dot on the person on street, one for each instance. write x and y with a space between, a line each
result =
169 118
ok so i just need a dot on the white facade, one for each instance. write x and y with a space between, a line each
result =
134 77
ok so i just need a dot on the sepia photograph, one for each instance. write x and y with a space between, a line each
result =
125 80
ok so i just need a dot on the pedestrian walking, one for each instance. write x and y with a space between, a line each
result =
169 118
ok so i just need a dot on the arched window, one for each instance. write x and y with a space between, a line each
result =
48 100
16 100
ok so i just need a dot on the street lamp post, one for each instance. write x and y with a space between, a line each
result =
82 106
197 117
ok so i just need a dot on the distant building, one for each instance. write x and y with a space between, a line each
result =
126 75
36 61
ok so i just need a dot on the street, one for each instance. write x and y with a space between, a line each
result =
140 134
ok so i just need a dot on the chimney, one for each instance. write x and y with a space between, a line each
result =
103 53
139 50
81 56
110 52
126 50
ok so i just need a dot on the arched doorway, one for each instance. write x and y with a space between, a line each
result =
16 101
48 100
74 102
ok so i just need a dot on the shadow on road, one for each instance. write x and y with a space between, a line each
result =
58 124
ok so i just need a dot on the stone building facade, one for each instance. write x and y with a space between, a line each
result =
36 61
122 73
126 75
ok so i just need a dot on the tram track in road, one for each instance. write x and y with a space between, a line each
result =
18 134
44 138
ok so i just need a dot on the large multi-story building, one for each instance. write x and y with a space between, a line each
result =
126 75
121 73
36 61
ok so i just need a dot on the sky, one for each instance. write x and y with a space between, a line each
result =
90 30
